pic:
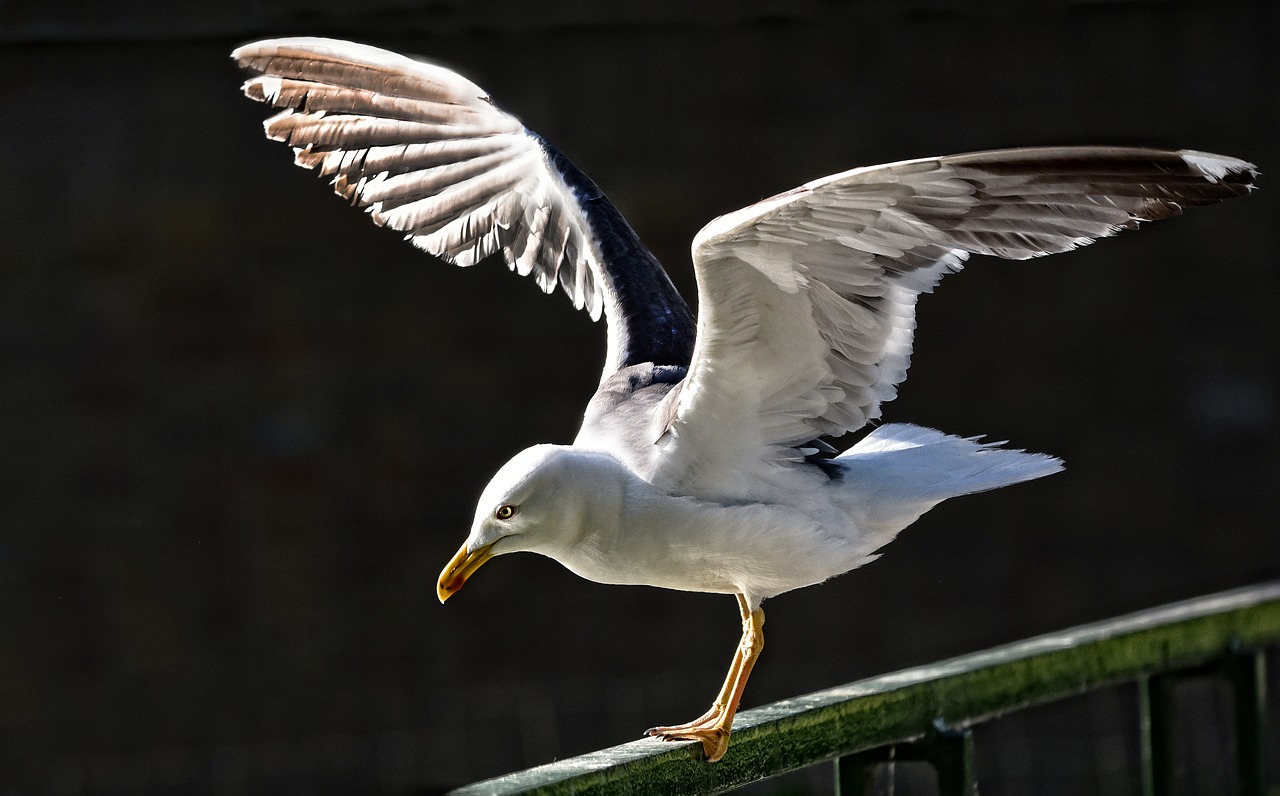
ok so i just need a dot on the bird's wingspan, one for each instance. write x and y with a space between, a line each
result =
807 299
427 153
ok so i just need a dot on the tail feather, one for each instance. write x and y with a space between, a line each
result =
922 464
900 471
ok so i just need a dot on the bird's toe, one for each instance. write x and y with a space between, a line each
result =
714 739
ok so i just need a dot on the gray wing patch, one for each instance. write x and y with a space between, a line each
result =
626 416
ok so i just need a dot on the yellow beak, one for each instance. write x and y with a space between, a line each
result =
459 568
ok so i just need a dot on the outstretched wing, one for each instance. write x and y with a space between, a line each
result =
427 153
807 299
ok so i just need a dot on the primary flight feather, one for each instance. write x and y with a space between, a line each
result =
701 463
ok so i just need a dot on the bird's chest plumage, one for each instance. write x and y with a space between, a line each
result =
693 545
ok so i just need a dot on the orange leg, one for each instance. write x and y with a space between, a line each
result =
713 727
726 690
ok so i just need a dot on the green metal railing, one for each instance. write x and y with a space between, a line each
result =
927 713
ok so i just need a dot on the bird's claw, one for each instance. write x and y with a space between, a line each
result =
714 738
710 717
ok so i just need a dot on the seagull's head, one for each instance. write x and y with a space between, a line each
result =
543 500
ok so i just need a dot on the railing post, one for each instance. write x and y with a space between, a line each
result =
952 758
1156 734
949 751
1246 670
855 774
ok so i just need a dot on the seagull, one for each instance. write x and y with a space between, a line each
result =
703 461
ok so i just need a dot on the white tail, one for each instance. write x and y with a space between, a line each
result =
900 471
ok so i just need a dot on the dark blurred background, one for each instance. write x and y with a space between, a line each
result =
242 429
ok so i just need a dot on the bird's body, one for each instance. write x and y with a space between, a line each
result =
701 464
801 524
626 531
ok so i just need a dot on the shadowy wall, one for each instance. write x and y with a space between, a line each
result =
241 429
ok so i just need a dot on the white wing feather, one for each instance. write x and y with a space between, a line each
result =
807 299
427 153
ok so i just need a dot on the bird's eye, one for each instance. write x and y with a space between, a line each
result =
505 512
